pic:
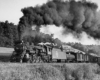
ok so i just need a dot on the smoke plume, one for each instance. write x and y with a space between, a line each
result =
83 38
67 20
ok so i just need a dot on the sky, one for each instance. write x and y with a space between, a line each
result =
11 9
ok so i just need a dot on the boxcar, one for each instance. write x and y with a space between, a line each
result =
93 58
98 60
86 58
80 57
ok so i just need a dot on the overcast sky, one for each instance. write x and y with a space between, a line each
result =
11 9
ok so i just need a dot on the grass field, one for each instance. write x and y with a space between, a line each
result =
45 71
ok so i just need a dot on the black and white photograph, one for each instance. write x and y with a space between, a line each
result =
49 39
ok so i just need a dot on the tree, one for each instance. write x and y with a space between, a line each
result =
8 33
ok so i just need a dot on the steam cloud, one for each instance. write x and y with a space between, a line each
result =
77 18
84 38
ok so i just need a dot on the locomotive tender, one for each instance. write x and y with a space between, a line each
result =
48 53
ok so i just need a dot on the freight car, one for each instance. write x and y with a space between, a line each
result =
49 53
93 58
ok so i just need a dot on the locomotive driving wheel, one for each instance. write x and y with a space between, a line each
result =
30 59
37 59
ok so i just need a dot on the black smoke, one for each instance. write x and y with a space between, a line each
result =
74 16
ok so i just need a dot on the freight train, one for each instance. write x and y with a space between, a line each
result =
49 53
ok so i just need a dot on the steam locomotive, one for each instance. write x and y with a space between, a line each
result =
48 53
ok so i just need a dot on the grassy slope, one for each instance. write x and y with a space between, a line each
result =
5 54
6 50
42 71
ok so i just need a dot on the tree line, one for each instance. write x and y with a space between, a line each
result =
8 34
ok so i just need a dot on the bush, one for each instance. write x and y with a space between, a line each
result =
84 72
48 72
